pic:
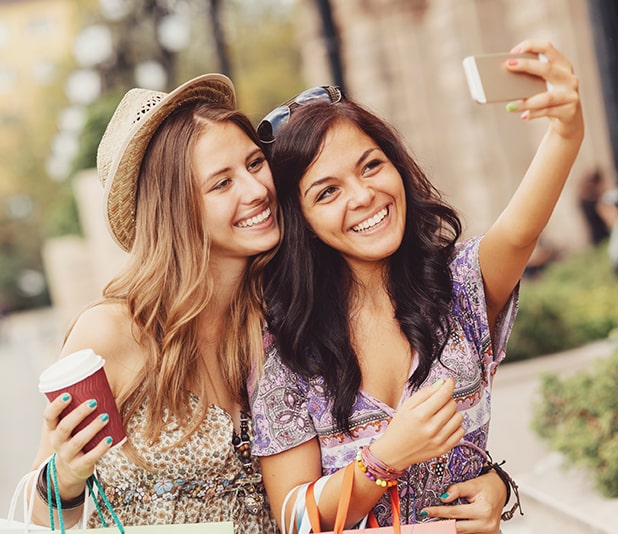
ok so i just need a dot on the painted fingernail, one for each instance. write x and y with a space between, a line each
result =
104 417
66 397
512 106
444 496
525 116
108 440
424 513
92 403
512 62
438 383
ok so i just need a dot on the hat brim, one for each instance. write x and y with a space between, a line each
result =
121 185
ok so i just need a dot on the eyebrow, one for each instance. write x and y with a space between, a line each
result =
326 178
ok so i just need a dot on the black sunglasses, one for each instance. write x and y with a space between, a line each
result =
273 122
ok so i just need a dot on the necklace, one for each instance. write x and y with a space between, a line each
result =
242 443
250 486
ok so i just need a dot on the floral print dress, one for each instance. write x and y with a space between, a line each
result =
199 480
289 410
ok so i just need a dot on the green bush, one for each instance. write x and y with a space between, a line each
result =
578 416
571 303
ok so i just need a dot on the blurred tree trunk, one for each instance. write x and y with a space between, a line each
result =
331 39
214 10
604 19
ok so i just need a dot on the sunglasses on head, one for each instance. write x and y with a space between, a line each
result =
273 122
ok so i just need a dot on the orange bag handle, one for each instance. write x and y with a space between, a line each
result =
345 496
395 506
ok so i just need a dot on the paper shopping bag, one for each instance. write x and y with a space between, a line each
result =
13 526
430 527
226 527
433 527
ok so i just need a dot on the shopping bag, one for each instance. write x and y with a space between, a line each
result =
430 527
225 527
11 525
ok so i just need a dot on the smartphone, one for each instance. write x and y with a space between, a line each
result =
490 81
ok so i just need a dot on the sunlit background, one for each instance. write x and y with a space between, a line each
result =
64 65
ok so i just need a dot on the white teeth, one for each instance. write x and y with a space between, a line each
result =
370 223
248 223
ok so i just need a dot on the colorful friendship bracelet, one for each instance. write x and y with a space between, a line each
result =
375 469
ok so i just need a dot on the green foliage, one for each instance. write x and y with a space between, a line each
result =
266 59
573 302
19 254
99 114
578 416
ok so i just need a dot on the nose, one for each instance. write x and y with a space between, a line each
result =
360 193
253 189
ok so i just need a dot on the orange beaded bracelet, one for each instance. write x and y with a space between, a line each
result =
375 469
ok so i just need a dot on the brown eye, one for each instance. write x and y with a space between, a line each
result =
325 193
222 184
256 164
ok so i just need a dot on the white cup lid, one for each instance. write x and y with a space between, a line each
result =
70 370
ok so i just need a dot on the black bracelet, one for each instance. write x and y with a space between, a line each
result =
509 483
41 488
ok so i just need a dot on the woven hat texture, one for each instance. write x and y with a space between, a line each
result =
122 147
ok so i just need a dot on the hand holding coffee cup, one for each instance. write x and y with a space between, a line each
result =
81 374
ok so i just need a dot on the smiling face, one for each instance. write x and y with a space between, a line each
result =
238 193
353 197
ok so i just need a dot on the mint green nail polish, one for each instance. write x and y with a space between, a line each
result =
438 383
444 496
92 403
66 397
104 417
512 106
108 440
424 513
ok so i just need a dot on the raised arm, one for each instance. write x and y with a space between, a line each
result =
508 244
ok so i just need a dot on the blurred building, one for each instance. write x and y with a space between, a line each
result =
403 59
36 37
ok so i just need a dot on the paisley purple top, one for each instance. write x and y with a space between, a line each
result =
288 410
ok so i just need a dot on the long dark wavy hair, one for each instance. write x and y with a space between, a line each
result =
309 286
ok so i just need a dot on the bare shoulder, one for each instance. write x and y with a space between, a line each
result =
107 329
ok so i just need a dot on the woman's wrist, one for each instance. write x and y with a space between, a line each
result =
509 484
382 449
374 468
68 499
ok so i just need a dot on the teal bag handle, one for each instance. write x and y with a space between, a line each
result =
92 479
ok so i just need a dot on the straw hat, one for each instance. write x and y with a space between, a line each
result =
126 138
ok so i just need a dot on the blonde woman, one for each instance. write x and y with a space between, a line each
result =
190 196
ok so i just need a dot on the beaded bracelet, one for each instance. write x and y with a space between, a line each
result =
375 469
41 487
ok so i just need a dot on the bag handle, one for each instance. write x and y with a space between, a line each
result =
52 475
344 504
395 507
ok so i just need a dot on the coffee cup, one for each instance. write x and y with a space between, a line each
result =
82 375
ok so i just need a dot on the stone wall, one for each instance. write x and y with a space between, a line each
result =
78 267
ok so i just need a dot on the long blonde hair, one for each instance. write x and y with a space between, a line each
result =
167 283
